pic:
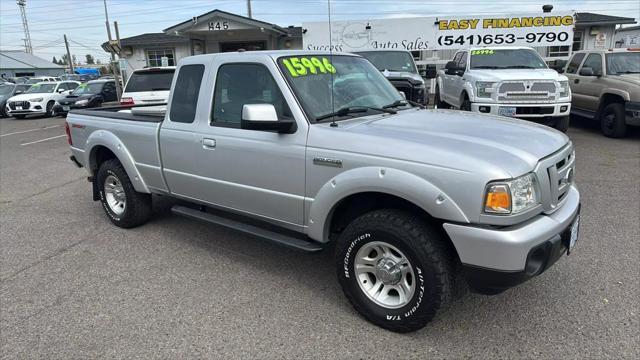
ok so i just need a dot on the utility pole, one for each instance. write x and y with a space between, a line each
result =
115 75
249 9
69 58
25 25
114 68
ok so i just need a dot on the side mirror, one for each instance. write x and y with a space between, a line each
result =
451 66
263 117
429 73
587 71
60 91
404 96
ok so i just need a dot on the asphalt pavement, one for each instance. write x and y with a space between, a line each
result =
72 285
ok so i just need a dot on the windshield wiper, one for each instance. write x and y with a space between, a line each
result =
348 110
159 89
403 102
519 67
487 67
628 72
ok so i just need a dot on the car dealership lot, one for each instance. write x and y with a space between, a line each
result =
74 285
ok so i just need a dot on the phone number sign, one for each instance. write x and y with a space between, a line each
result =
522 30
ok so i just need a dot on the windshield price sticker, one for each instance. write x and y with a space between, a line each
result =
482 52
308 65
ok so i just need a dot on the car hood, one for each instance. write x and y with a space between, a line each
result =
516 74
497 146
403 75
25 97
69 99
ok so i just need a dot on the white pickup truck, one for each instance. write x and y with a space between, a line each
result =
508 81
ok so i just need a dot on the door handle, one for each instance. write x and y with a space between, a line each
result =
576 81
209 143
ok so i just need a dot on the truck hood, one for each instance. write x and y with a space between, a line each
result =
403 75
629 78
516 74
497 146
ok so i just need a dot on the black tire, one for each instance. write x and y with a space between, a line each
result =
466 104
438 101
562 124
49 110
19 116
613 121
137 210
426 251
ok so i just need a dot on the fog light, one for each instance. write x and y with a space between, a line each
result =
484 109
563 108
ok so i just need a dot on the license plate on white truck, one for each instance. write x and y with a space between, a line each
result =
507 110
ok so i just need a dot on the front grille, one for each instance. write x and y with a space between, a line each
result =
560 178
24 104
518 91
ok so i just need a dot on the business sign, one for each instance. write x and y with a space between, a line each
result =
440 33
122 64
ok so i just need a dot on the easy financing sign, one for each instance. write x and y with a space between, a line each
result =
440 33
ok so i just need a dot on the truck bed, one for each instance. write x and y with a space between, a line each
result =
121 112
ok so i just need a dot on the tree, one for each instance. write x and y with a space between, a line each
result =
64 60
90 59
55 61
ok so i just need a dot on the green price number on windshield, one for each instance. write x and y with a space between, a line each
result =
305 66
482 52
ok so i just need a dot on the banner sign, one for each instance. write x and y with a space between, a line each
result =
440 33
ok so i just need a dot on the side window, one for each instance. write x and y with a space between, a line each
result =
71 86
240 84
594 61
185 93
62 86
574 64
456 58
462 63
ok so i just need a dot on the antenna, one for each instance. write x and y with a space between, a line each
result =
27 38
333 107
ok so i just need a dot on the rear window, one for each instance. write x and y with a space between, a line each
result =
150 81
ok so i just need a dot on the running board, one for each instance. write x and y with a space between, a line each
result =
280 239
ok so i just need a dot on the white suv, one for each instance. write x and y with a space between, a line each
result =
148 86
508 81
39 98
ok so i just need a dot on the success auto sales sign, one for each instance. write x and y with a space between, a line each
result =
431 33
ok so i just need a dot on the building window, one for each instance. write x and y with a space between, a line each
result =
577 41
154 57
558 51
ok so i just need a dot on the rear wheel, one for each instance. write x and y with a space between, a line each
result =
394 269
125 206
612 121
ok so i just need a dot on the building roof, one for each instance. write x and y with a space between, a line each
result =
628 28
151 39
239 18
16 59
585 18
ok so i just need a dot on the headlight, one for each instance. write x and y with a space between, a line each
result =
82 102
484 88
35 100
564 89
512 196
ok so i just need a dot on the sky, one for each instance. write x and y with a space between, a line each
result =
83 21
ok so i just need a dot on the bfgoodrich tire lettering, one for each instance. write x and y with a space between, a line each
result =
425 250
138 206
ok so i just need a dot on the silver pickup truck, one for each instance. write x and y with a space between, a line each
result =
308 148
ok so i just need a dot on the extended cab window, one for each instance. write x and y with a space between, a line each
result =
574 64
185 93
594 61
462 62
240 84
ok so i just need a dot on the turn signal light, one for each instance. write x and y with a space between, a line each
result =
68 132
127 101
498 199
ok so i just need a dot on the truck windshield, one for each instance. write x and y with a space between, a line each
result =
506 59
151 80
390 60
41 88
327 83
623 63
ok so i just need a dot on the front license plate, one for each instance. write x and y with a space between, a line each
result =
507 111
65 108
575 227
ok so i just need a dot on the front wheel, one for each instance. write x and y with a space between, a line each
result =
466 104
394 269
125 206
49 109
612 121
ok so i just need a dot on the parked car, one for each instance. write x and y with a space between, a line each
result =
409 196
148 86
8 90
606 87
399 67
75 77
508 81
35 80
87 95
39 98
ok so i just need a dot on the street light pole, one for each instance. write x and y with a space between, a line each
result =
114 68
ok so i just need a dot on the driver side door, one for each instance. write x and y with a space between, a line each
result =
457 82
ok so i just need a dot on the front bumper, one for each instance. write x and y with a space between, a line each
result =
34 108
60 108
525 111
498 258
632 111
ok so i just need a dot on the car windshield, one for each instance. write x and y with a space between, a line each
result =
327 83
390 60
623 63
33 81
22 88
84 89
506 59
6 89
41 88
155 80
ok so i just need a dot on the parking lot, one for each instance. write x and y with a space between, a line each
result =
75 286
